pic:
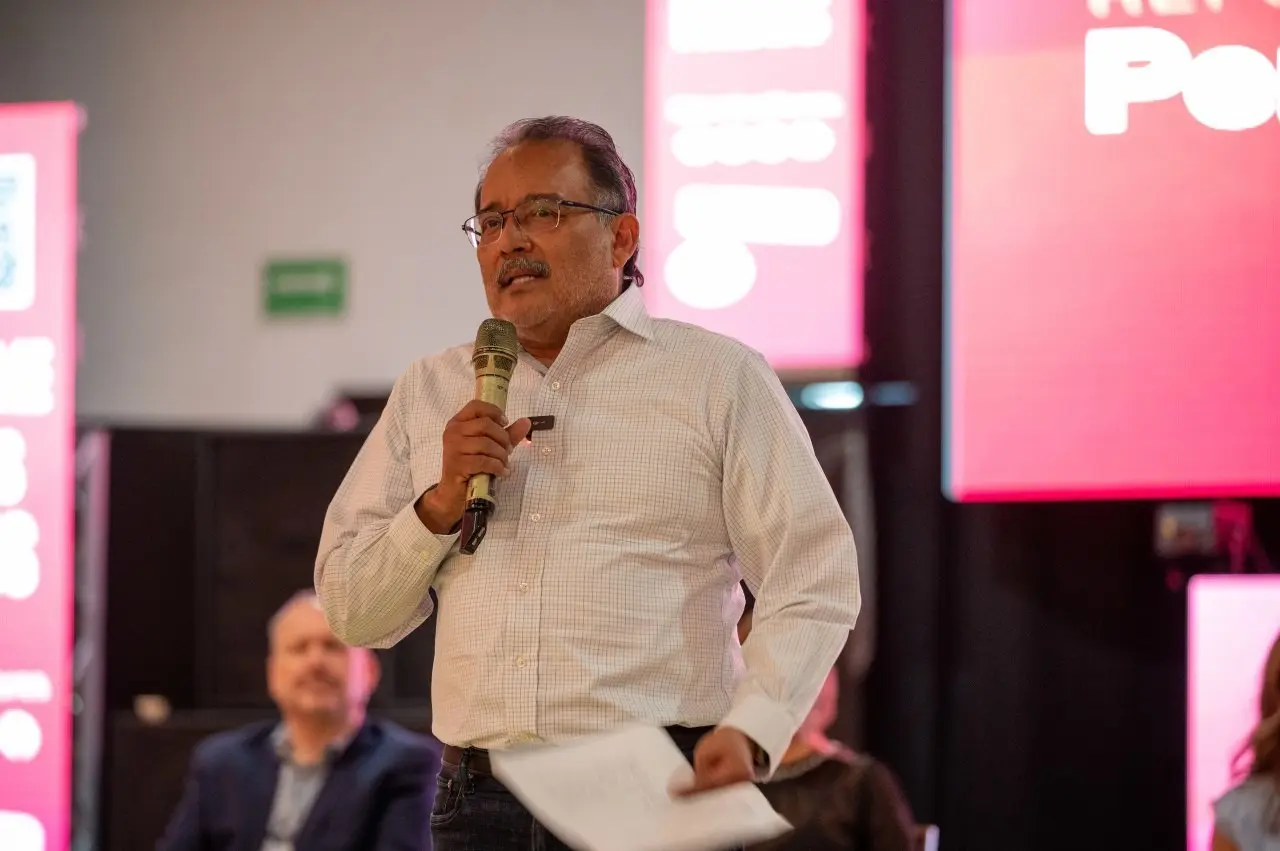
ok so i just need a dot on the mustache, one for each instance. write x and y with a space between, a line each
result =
517 266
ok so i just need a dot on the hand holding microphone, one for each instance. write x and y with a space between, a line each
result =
477 442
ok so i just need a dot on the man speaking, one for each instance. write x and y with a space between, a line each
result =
667 464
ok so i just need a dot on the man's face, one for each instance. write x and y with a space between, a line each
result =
310 672
572 271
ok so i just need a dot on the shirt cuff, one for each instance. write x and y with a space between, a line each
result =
415 542
766 723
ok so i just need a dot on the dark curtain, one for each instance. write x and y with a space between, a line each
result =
1029 685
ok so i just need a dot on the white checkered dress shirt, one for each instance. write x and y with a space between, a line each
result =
606 590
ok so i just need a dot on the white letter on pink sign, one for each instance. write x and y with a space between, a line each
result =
1228 88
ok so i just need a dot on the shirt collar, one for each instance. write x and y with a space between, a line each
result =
284 748
628 310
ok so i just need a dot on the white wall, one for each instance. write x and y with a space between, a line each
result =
222 132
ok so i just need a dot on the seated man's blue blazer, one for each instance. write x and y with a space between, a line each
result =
377 796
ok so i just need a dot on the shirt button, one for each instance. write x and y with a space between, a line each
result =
520 663
524 586
546 450
535 517
555 385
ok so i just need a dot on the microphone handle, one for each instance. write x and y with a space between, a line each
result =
491 388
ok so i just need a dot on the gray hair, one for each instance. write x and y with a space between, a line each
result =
612 178
299 598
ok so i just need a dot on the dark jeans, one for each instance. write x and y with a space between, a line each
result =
474 812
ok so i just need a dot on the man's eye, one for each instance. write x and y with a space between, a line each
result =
491 223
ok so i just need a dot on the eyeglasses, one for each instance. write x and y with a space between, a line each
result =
535 216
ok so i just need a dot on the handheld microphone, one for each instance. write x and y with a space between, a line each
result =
494 360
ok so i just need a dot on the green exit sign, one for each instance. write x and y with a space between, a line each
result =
316 287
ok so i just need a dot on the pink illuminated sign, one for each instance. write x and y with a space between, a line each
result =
754 174
1233 621
1114 278
38 229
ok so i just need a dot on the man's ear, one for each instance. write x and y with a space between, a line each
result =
626 238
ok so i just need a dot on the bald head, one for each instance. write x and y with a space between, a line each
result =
301 599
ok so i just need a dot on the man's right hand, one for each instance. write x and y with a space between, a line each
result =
476 440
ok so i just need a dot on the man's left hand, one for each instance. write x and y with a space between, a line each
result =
722 758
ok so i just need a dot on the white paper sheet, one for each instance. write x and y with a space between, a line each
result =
612 793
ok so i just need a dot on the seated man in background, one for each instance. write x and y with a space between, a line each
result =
836 800
323 777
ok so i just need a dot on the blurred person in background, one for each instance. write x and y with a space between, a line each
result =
1247 817
604 593
322 777
835 799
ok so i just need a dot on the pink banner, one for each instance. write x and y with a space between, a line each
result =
754 150
1114 280
1232 621
38 232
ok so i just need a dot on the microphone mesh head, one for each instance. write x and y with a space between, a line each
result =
496 349
497 336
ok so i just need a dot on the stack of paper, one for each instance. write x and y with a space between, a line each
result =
613 793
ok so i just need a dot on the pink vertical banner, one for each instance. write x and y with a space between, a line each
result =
38 234
1232 622
754 149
